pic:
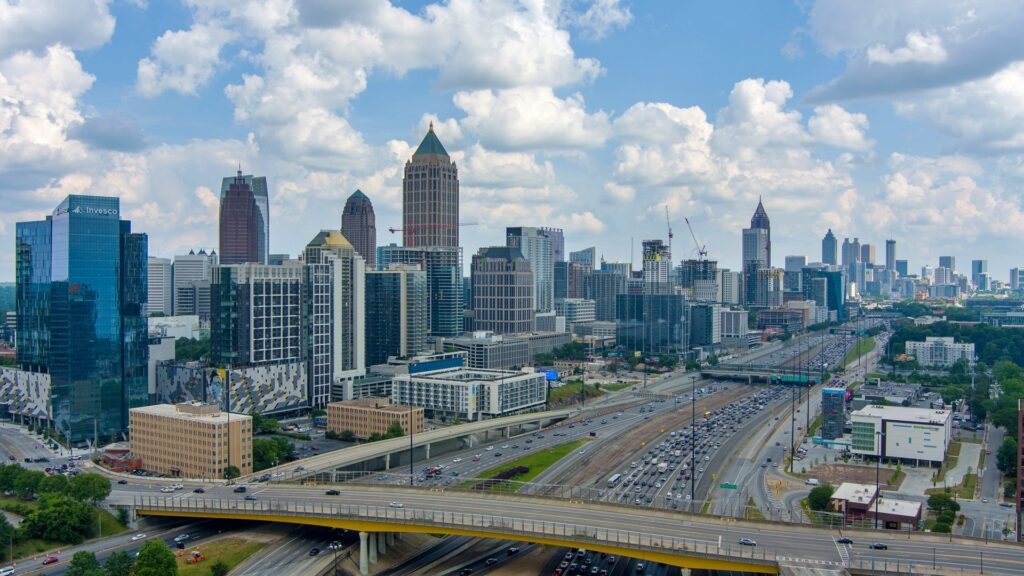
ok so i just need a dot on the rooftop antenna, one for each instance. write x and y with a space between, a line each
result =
669 225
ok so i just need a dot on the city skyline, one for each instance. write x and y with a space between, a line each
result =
821 101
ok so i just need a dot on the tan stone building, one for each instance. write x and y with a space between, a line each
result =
368 416
190 440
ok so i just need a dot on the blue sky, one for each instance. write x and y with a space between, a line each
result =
876 119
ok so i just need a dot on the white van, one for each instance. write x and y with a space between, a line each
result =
7 571
812 482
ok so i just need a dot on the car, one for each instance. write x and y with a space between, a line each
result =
181 537
138 537
335 545
640 567
239 489
457 460
465 571
489 448
1006 505
122 481
490 561
878 546
264 477
333 492
50 560
7 571
748 542
844 540
984 500
397 505
496 454
168 490
476 458
512 550
250 497
200 490
314 551
504 446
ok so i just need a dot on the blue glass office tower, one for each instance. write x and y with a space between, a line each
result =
81 290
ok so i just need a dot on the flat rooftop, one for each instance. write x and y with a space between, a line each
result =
902 414
194 411
855 493
905 508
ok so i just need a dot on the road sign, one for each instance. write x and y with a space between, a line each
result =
727 486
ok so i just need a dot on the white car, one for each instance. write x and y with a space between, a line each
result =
489 448
138 537
397 505
457 460
167 489
504 445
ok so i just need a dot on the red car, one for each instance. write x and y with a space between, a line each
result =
50 560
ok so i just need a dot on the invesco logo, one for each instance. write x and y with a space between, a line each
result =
96 211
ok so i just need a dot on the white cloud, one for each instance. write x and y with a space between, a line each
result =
504 169
923 48
620 192
602 16
35 25
182 61
519 118
833 125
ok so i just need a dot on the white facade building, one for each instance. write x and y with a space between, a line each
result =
576 310
159 286
908 433
734 323
536 247
470 394
940 351
728 287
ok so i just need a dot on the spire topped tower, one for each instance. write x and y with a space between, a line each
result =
430 196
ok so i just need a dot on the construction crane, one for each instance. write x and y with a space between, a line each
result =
421 226
702 251
669 226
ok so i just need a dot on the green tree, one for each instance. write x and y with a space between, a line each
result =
692 365
9 476
820 496
942 502
263 425
395 430
54 484
27 484
942 527
1006 457
155 559
84 563
188 349
7 533
91 488
231 472
347 436
219 568
60 519
118 564
122 516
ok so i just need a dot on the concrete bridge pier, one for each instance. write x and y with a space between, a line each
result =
389 538
387 462
364 555
382 543
427 448
372 545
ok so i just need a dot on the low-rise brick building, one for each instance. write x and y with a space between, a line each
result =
191 440
367 416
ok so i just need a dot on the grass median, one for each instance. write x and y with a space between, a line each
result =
860 348
230 551
535 462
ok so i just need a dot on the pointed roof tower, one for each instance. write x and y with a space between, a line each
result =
760 217
430 145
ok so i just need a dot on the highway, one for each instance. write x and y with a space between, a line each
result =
789 543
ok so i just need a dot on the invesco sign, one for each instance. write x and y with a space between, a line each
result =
95 211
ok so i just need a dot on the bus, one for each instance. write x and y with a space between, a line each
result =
614 480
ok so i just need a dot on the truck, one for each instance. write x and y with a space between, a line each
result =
662 467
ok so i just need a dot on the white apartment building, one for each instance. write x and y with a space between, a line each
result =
734 323
921 434
576 310
940 351
159 287
470 394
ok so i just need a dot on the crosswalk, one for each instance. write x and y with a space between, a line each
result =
844 552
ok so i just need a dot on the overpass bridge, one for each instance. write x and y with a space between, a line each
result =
669 537
768 374
384 454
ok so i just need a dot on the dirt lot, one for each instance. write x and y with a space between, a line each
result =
836 474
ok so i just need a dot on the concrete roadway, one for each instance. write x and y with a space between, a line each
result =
792 543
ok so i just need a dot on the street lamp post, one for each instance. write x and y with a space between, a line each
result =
792 423
878 461
411 472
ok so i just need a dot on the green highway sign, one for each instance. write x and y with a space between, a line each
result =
727 486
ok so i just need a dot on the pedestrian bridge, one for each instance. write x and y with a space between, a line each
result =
695 553
752 373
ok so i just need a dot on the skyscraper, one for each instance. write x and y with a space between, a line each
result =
502 291
160 289
444 282
240 221
948 262
699 279
557 237
757 255
192 276
603 286
867 253
396 313
587 256
828 248
359 226
1017 278
535 245
903 267
430 196
657 261
81 291
258 185
978 267
890 255
335 313
793 273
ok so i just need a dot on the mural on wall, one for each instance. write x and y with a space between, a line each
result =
25 393
261 389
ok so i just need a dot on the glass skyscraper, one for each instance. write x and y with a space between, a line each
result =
81 293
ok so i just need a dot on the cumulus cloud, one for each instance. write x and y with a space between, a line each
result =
924 48
531 118
182 61
114 132
35 25
833 125
602 16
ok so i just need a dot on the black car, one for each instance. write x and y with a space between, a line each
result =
314 551
333 493
122 481
879 546
844 540
491 561
239 489
200 490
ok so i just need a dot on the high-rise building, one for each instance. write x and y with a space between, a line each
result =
902 268
397 315
535 246
867 253
657 269
793 273
1016 277
192 275
927 272
603 287
240 221
335 313
652 323
729 287
831 293
80 295
256 314
944 276
557 238
948 262
430 197
833 411
359 226
160 286
502 291
699 280
890 255
705 324
587 256
444 282
258 185
828 248
757 255
978 267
